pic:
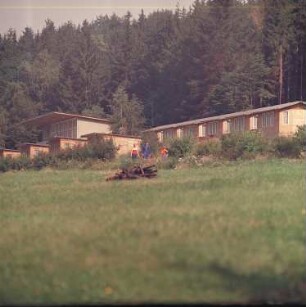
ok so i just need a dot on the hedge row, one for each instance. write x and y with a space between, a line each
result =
102 150
246 145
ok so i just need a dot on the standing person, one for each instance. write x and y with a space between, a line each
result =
146 151
134 152
164 152
142 150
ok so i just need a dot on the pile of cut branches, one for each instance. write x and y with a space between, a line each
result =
135 172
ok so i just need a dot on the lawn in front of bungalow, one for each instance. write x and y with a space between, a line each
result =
224 233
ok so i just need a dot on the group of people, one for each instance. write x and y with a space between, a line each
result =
146 152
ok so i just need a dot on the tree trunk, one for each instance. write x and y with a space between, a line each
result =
301 89
281 74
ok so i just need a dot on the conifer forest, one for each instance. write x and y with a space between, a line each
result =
216 57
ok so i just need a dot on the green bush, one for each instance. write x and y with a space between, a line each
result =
4 164
103 150
125 161
287 147
208 148
43 160
99 149
180 148
169 163
300 136
22 162
242 145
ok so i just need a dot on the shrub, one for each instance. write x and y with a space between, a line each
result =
42 160
300 136
22 162
125 161
189 161
169 163
287 147
207 148
4 165
242 145
99 149
180 148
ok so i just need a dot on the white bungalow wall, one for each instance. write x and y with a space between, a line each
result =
86 127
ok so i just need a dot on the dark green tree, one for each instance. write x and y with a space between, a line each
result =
41 77
19 106
279 38
127 113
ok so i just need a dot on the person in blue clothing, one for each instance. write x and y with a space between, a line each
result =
146 151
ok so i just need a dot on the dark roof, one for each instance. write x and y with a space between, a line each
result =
228 116
54 117
112 134
7 149
64 138
32 144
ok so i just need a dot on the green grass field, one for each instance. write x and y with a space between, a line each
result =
223 234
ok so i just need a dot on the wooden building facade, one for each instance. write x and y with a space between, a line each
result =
9 153
271 122
123 143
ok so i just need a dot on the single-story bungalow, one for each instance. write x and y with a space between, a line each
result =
33 149
69 126
271 122
9 153
61 131
123 143
58 143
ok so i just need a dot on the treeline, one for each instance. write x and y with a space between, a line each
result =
217 57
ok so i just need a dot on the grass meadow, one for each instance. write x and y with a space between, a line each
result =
226 233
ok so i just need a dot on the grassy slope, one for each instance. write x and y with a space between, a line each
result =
219 234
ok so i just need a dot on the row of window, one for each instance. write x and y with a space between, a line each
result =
38 151
232 125
173 133
67 129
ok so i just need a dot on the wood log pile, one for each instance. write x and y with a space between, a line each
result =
135 172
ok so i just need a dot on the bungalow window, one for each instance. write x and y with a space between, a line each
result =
226 127
286 117
202 131
212 128
238 124
64 129
160 136
189 132
253 122
74 128
179 133
169 134
268 119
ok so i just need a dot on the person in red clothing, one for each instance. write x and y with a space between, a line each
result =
164 152
134 152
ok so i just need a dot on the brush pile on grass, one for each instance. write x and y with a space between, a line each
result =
135 172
